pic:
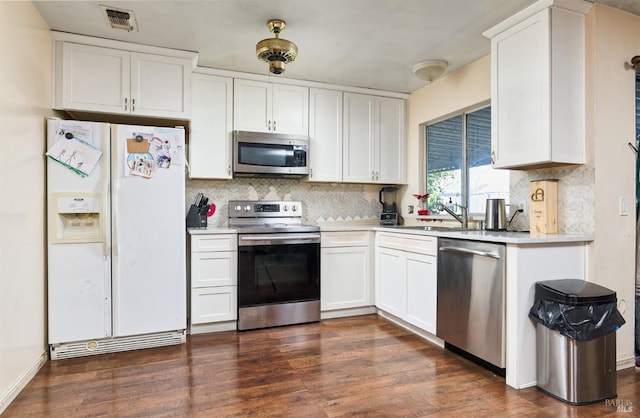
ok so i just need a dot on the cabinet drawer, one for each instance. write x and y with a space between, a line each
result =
214 242
405 242
213 304
214 268
345 239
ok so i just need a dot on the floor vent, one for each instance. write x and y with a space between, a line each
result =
120 18
114 345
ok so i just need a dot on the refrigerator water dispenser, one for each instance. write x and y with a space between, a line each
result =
76 218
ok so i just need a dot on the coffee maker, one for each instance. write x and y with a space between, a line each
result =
389 215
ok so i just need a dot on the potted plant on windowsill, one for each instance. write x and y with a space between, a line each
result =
422 203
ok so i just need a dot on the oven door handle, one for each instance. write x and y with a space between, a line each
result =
266 239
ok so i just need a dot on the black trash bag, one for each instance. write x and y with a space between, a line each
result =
579 322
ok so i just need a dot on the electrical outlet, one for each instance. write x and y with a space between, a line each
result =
624 206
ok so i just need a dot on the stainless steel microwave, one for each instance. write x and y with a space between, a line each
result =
270 154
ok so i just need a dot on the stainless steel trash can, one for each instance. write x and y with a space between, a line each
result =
576 340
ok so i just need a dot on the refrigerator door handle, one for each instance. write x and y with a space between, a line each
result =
115 178
105 211
114 209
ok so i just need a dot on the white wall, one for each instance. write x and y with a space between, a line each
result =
25 101
613 40
465 87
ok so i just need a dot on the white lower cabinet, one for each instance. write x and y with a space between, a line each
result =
421 274
213 304
346 280
406 278
214 259
391 289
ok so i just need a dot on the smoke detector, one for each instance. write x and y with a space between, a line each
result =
276 51
120 18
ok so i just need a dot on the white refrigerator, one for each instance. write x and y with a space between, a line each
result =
116 237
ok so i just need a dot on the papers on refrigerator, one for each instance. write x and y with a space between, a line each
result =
74 148
148 154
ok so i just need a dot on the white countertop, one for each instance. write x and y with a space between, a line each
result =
508 237
211 230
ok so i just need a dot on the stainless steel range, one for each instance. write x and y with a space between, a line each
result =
278 264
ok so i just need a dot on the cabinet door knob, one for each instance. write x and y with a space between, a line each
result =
311 173
125 103
269 125
229 170
133 105
274 126
493 157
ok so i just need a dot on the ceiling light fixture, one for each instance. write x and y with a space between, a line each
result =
275 51
430 70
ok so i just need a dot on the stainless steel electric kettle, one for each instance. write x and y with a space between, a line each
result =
495 217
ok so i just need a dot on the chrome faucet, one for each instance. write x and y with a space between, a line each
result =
464 219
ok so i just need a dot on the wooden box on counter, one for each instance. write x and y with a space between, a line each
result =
543 207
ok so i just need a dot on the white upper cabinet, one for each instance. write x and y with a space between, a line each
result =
325 135
95 79
110 80
210 136
538 89
389 135
269 107
374 139
252 109
358 165
160 86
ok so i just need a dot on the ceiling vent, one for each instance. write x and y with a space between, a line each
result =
120 18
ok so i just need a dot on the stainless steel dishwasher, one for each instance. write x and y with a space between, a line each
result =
471 298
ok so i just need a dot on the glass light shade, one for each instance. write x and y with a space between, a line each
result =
430 70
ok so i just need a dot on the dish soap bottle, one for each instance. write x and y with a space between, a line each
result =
450 205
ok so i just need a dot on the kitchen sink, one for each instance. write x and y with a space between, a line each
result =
439 228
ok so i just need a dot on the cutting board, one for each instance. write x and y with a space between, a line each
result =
543 207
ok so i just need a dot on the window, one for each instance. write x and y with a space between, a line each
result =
458 162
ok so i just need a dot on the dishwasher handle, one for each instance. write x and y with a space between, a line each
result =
472 252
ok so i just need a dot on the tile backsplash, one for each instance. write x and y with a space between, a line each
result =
576 197
327 202
321 201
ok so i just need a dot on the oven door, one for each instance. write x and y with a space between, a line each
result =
278 268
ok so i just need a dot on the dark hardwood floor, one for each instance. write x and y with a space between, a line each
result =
360 366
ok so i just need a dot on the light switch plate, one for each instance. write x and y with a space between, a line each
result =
624 206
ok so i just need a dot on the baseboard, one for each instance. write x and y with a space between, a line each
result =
343 313
213 327
420 332
15 389
625 362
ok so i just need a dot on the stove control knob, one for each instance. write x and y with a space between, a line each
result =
294 208
247 208
285 208
238 208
